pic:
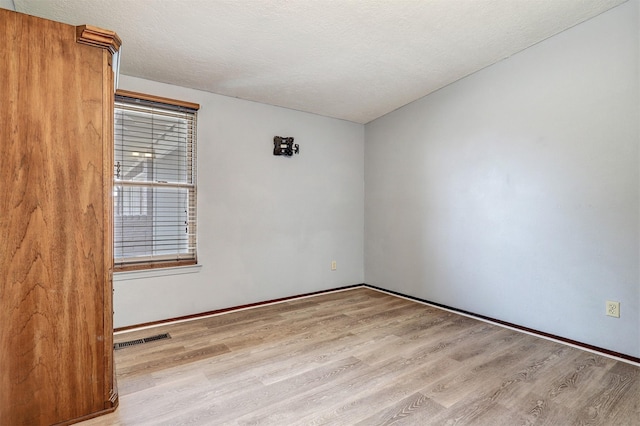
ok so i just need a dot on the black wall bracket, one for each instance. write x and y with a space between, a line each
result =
284 146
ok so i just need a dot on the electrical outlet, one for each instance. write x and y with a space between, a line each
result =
613 309
334 265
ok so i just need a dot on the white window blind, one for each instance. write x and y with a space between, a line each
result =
154 183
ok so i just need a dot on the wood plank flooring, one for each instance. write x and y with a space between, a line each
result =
362 357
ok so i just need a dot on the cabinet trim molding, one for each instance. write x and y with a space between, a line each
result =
98 37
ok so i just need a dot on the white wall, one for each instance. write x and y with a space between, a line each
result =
7 4
513 193
269 226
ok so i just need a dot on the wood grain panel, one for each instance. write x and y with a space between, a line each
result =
110 390
52 232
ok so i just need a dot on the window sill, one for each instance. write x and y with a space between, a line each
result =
158 272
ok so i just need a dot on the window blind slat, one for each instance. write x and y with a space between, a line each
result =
154 182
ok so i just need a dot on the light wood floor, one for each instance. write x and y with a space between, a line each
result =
368 358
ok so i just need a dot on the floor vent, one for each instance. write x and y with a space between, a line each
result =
123 345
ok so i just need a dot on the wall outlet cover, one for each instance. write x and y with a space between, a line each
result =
613 309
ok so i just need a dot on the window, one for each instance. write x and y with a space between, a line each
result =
154 182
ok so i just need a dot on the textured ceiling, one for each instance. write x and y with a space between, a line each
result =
354 60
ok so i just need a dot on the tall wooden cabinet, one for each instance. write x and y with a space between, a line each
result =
56 155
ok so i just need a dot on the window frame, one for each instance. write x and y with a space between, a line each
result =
168 260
